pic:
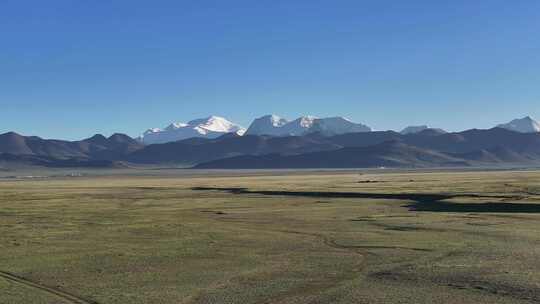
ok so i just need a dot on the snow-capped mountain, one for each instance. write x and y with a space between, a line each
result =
299 126
267 125
276 126
210 127
418 129
523 125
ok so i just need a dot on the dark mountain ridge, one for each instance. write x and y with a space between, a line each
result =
468 148
193 151
379 148
97 147
387 154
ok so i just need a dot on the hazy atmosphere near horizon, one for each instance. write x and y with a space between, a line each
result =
126 66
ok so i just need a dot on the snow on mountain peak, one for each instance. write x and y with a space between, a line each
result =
152 130
273 125
176 125
307 121
522 125
276 121
209 127
266 125
214 124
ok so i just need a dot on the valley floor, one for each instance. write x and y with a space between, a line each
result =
304 237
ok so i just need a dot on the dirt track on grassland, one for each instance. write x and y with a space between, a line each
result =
67 297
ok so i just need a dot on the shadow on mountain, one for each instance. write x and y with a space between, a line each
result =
422 202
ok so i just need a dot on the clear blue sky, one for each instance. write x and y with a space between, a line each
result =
72 68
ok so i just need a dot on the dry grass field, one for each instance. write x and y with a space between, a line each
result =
327 237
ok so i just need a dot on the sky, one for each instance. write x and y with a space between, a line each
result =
73 68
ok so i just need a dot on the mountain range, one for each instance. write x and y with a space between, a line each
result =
273 125
306 142
210 127
276 126
215 126
428 148
96 151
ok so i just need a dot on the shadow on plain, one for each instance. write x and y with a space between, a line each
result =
425 202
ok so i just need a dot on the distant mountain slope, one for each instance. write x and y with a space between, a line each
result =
418 129
8 160
472 140
14 143
267 125
337 125
364 139
413 129
276 126
192 151
210 127
390 149
499 155
97 147
388 154
523 125
427 147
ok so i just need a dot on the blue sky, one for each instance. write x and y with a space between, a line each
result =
72 68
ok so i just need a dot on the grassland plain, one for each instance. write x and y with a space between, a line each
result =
314 237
